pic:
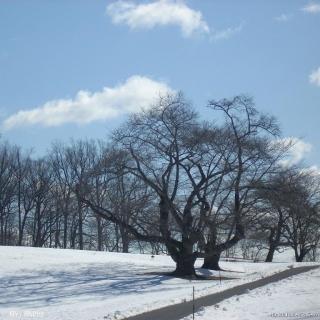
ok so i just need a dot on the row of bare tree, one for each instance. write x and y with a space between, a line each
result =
39 206
166 180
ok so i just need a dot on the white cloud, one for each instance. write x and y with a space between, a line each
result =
312 7
135 93
283 17
165 13
314 77
158 13
226 33
298 151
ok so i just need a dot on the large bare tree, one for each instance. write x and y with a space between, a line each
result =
179 158
255 155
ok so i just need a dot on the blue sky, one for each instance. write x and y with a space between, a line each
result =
77 68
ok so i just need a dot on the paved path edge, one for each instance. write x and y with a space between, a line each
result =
183 309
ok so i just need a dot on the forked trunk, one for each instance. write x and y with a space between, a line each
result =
300 256
180 251
185 265
212 261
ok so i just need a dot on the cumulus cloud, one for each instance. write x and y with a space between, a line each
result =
298 151
314 77
312 7
135 93
165 13
158 13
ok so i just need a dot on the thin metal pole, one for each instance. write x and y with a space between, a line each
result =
193 306
220 276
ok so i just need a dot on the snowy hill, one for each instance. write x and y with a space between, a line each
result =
86 285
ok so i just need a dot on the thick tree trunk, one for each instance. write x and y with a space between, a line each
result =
124 239
182 253
185 265
213 251
20 237
212 261
300 258
184 258
125 244
300 255
270 254
273 242
274 237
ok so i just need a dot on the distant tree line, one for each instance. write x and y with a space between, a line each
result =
165 181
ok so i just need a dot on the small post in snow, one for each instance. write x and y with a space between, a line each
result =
220 276
193 306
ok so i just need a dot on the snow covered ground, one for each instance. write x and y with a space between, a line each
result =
297 297
85 285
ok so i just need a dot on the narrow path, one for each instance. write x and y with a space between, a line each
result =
181 310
